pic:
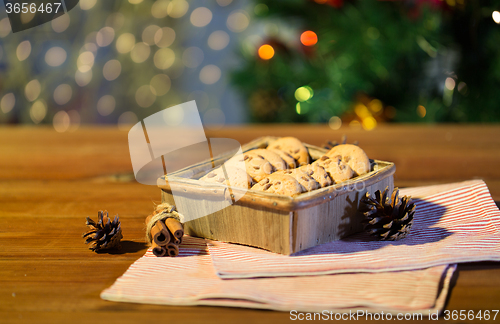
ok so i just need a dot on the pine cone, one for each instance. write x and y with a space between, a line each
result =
388 218
105 234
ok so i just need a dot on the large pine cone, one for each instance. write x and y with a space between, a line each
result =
105 234
388 218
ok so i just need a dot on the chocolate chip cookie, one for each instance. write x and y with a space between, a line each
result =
280 184
292 146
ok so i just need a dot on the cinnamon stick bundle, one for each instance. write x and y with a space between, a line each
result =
166 236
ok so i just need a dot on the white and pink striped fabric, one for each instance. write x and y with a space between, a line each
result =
190 279
461 224
196 276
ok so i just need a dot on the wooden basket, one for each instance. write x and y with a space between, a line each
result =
279 223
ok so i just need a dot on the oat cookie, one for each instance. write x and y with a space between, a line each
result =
335 167
290 161
303 178
280 184
276 161
354 156
292 146
237 177
318 173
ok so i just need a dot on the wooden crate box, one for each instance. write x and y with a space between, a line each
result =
276 223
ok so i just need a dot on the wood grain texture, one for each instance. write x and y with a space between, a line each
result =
49 183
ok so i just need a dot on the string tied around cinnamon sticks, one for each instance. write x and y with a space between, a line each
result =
164 230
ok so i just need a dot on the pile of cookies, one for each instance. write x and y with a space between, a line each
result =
285 168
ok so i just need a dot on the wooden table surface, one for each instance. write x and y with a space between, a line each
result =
49 183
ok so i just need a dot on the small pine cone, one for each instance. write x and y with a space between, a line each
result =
105 234
388 218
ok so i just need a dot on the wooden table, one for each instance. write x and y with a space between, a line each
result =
49 183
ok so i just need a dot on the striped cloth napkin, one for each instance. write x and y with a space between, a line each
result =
190 279
464 212
459 224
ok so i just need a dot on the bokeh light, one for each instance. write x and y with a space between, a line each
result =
144 96
135 1
127 120
83 78
85 61
32 90
159 9
200 17
148 34
218 40
462 88
369 123
449 83
91 47
87 4
115 20
362 111
421 111
214 118
308 38
304 93
210 74
164 58
177 8
125 43
298 108
372 33
55 56
266 52
261 9
26 17
23 50
5 28
61 121
376 105
61 23
62 94
164 37
106 105
140 52
160 84
192 57
496 16
112 70
238 21
38 111
105 36
390 112
335 123
8 102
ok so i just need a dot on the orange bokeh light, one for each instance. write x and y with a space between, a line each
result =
266 52
309 38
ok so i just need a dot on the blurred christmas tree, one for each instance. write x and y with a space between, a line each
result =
372 61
